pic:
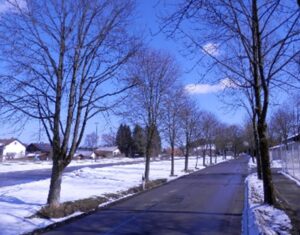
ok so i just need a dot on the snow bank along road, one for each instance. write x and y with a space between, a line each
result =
209 201
22 177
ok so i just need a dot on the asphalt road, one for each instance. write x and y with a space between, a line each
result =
21 177
207 202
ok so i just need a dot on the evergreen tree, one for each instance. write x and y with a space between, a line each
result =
138 141
124 139
156 143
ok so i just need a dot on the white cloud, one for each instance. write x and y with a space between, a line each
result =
208 88
211 48
12 5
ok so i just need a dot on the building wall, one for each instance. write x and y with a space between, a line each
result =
116 152
15 148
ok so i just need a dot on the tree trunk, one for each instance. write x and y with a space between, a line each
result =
147 167
256 146
210 156
258 156
172 160
55 184
186 162
147 162
204 153
269 196
148 152
261 106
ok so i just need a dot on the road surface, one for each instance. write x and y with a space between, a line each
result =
21 177
207 202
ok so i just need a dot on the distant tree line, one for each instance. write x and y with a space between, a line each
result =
133 143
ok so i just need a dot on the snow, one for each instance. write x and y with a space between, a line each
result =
18 202
251 164
263 218
12 166
276 164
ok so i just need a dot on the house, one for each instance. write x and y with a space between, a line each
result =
42 151
107 151
11 149
84 154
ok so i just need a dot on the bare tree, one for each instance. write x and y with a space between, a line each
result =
190 118
209 125
109 139
154 74
235 134
62 60
252 43
171 120
281 124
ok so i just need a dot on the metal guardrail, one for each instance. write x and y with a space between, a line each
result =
289 154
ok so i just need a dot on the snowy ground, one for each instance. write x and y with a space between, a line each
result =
262 218
274 164
9 166
19 202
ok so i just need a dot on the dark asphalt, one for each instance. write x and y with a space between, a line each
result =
21 177
207 202
288 193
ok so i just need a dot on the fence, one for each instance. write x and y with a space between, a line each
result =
289 154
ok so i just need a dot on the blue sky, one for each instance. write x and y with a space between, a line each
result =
204 94
207 98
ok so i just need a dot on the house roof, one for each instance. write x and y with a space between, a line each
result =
107 149
84 153
43 147
4 142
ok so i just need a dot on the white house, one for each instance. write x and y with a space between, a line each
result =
107 151
11 149
84 154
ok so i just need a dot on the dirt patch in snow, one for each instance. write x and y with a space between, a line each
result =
89 204
68 208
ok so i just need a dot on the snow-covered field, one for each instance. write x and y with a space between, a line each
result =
19 202
262 218
9 166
